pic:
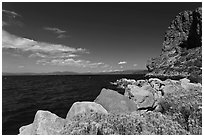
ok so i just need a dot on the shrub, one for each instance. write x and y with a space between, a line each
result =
183 106
151 123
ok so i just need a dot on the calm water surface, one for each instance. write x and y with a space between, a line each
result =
22 96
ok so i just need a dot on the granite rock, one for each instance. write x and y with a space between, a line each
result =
142 98
114 102
85 107
45 123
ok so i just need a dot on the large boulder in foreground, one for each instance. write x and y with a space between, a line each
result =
85 107
45 123
182 48
114 102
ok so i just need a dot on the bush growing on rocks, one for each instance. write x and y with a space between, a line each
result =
150 123
184 107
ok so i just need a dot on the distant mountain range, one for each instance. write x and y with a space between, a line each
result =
75 73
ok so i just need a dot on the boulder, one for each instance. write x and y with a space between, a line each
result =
171 82
27 130
185 83
45 123
156 83
170 88
184 80
114 102
157 93
85 107
142 98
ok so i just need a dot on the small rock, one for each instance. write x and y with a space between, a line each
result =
185 83
141 83
156 83
185 80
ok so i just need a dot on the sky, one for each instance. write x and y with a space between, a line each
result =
84 37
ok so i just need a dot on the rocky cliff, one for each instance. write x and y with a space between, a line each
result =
182 48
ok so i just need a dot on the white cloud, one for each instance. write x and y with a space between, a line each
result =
105 66
10 13
55 30
61 36
53 56
11 18
117 70
13 42
37 55
47 53
70 62
122 62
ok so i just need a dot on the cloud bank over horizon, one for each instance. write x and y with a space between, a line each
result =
47 53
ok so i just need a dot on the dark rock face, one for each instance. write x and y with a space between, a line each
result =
182 48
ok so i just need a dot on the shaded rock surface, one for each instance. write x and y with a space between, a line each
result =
114 102
85 107
181 52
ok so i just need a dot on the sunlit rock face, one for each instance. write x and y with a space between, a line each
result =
45 123
182 48
85 107
114 102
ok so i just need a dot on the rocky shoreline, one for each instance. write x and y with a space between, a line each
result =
150 107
